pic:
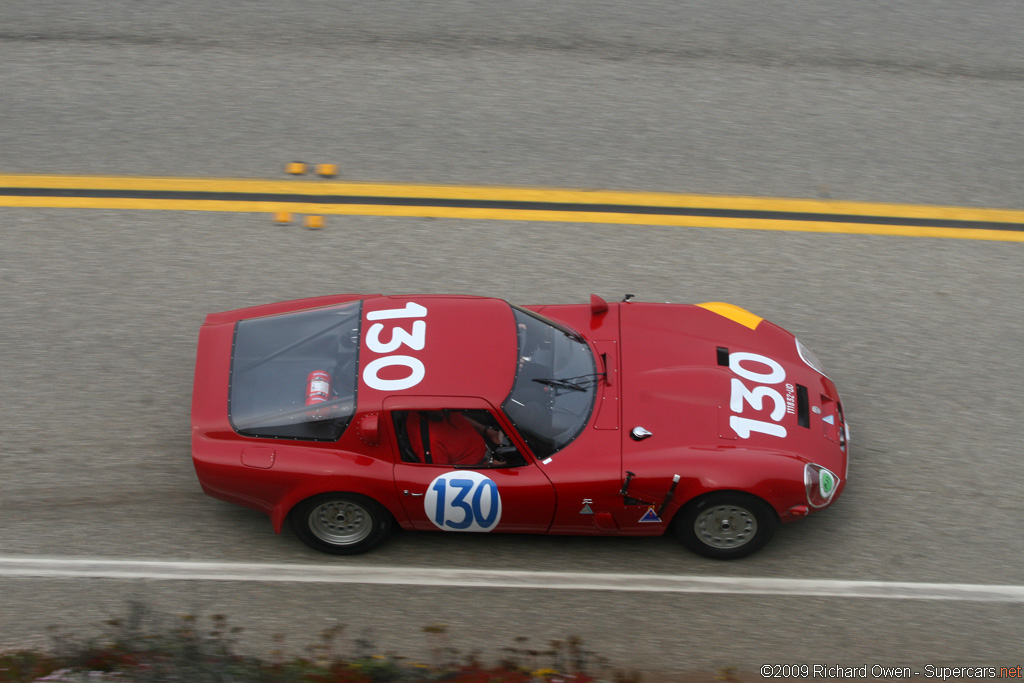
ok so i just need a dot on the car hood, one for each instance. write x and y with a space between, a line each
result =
706 378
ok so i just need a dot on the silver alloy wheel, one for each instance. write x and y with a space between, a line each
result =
725 526
340 522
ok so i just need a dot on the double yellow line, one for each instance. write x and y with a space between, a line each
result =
506 203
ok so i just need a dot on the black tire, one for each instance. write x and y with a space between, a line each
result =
726 525
340 523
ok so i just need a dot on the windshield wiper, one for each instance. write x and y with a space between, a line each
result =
579 383
561 384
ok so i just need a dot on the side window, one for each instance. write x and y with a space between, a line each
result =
454 438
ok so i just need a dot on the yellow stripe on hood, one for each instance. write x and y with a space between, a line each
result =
734 313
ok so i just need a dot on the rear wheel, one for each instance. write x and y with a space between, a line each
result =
340 523
726 525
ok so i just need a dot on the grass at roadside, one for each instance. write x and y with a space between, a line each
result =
145 647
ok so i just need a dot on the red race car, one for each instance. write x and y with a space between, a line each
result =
345 415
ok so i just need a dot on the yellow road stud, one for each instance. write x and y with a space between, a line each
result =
327 170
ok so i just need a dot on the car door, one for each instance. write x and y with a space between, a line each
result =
587 477
514 497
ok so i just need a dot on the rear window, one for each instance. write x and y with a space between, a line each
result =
293 376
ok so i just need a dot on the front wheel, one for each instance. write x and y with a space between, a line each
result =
726 525
340 523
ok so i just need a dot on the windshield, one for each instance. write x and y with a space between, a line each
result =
555 385
294 375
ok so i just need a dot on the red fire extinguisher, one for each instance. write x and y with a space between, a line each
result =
318 387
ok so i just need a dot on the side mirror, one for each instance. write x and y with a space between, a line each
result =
598 306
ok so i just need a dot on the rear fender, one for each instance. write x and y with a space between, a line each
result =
381 491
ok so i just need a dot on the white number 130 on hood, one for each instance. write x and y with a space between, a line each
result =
741 396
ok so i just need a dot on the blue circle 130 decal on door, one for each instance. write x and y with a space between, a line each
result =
463 501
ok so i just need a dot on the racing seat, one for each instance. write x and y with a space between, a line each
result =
405 449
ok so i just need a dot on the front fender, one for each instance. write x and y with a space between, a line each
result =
774 476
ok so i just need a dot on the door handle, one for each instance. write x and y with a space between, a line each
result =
406 493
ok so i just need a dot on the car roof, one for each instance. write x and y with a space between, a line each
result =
469 348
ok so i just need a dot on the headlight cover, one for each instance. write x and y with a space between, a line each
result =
808 357
821 484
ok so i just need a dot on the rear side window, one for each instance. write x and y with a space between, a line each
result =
293 376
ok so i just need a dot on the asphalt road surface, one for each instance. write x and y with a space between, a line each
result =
99 309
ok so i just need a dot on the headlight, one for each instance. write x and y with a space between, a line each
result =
821 485
809 357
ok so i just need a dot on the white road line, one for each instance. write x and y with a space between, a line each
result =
35 567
